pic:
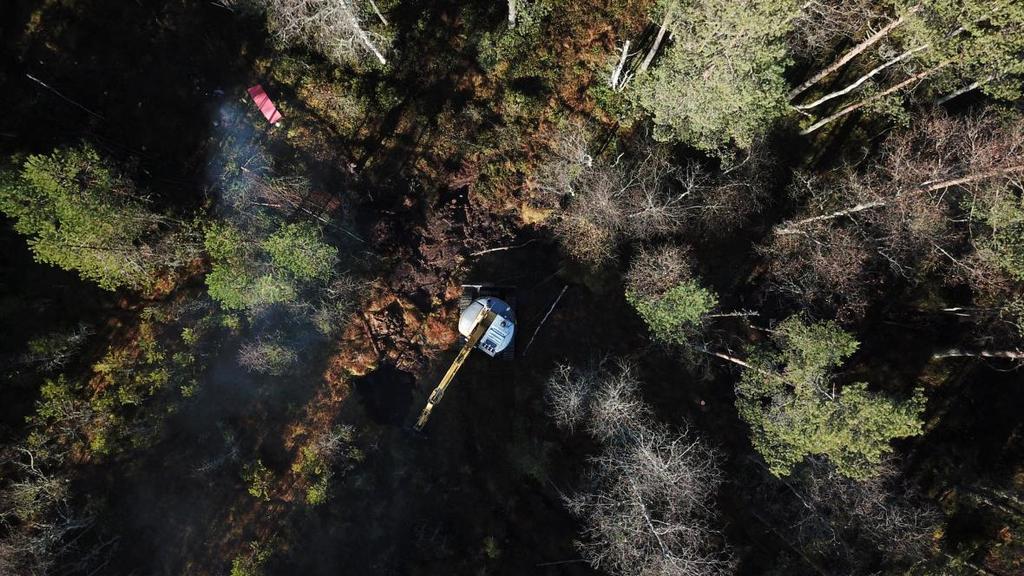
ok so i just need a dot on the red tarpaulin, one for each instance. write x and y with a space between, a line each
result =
264 104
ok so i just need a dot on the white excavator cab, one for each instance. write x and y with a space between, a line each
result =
499 334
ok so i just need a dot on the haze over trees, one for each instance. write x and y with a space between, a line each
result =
766 261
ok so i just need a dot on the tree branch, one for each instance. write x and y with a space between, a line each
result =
858 105
852 53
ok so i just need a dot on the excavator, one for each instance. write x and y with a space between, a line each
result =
487 323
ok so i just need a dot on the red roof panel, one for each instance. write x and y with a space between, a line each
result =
259 96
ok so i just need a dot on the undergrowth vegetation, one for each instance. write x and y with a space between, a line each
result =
767 262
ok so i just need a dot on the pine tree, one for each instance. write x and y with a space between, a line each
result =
247 275
720 80
795 408
80 214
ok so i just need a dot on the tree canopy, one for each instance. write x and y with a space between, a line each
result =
672 315
81 214
720 80
982 39
249 276
795 407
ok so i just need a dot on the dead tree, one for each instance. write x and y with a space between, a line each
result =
653 270
1016 355
864 78
646 502
662 30
618 81
335 28
853 52
890 90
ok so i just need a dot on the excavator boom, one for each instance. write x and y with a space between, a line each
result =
481 324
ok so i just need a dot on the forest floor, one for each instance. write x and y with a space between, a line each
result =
482 487
423 187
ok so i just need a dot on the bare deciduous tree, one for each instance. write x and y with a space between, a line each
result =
569 157
611 202
42 530
269 356
647 499
829 22
336 28
913 211
647 507
843 526
826 268
886 511
740 192
568 392
656 269
615 411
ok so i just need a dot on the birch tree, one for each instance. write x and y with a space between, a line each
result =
958 46
942 198
646 501
823 24
338 29
809 22
43 532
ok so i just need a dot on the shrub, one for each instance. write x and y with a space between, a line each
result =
258 478
672 316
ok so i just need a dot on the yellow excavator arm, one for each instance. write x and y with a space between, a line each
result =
480 326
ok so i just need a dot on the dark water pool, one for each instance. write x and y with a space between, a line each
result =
386 394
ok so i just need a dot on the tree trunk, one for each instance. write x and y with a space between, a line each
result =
377 10
365 38
964 90
794 227
960 353
942 184
513 6
616 81
657 42
857 106
853 86
727 358
852 53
